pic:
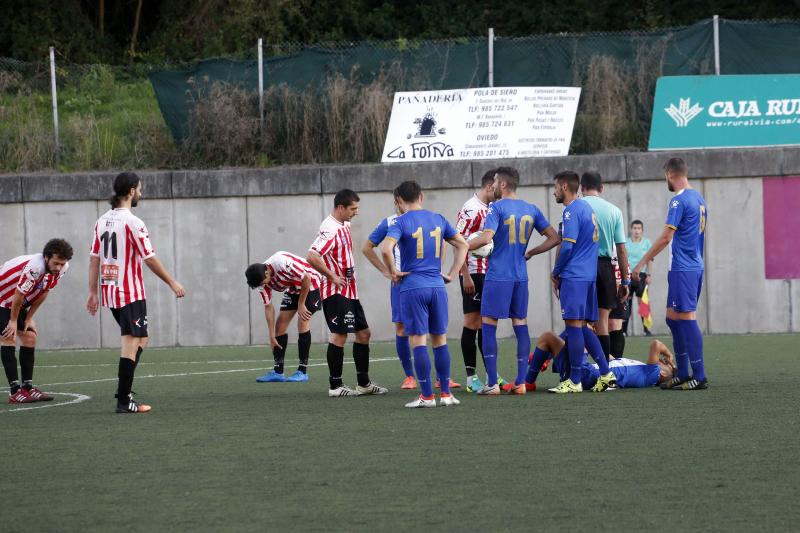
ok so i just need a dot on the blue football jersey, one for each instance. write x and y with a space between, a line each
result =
578 226
513 222
687 215
419 235
379 233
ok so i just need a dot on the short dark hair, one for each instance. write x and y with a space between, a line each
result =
637 221
345 197
408 191
488 177
255 275
676 165
123 183
591 180
570 178
509 175
58 247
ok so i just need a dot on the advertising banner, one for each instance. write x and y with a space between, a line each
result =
489 123
725 112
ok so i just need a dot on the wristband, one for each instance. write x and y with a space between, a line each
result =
626 282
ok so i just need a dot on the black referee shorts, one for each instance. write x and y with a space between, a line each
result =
606 284
132 319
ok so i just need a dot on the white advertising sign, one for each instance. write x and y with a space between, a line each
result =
489 123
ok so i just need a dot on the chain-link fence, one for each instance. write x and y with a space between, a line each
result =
330 102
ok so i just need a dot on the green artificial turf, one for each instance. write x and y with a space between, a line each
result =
222 452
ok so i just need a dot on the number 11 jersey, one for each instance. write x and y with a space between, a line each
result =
121 242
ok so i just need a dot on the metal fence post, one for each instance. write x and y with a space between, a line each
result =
261 87
716 45
491 57
55 99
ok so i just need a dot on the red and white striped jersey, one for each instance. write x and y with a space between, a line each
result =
121 242
27 275
288 271
335 244
470 220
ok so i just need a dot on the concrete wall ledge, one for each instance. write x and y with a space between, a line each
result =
315 180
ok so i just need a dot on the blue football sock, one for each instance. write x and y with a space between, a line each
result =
523 350
679 345
422 364
404 354
441 358
490 353
595 349
694 346
575 345
539 357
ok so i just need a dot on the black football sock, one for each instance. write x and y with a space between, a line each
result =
26 366
605 342
279 353
138 356
617 343
304 349
7 354
335 357
125 377
361 359
480 347
469 350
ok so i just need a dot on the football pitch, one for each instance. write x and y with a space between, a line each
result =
221 452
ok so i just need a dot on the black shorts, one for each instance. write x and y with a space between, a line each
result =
290 301
132 319
5 314
343 315
606 284
471 303
637 286
620 311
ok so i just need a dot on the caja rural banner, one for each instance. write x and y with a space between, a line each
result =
725 111
497 122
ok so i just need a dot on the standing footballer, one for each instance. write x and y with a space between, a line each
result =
509 224
120 244
574 279
685 229
423 299
25 282
331 254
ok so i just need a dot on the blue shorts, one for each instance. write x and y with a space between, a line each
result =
578 300
504 299
684 290
394 296
424 310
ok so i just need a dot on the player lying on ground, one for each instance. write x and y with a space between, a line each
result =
509 224
400 338
25 282
423 298
287 273
629 373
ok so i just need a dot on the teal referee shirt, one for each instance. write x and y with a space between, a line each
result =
610 225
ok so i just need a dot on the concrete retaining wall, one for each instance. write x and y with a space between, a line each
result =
206 226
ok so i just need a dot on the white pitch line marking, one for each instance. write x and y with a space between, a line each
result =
148 363
184 374
77 398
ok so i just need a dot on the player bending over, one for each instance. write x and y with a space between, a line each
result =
287 273
423 298
509 223
629 373
25 282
